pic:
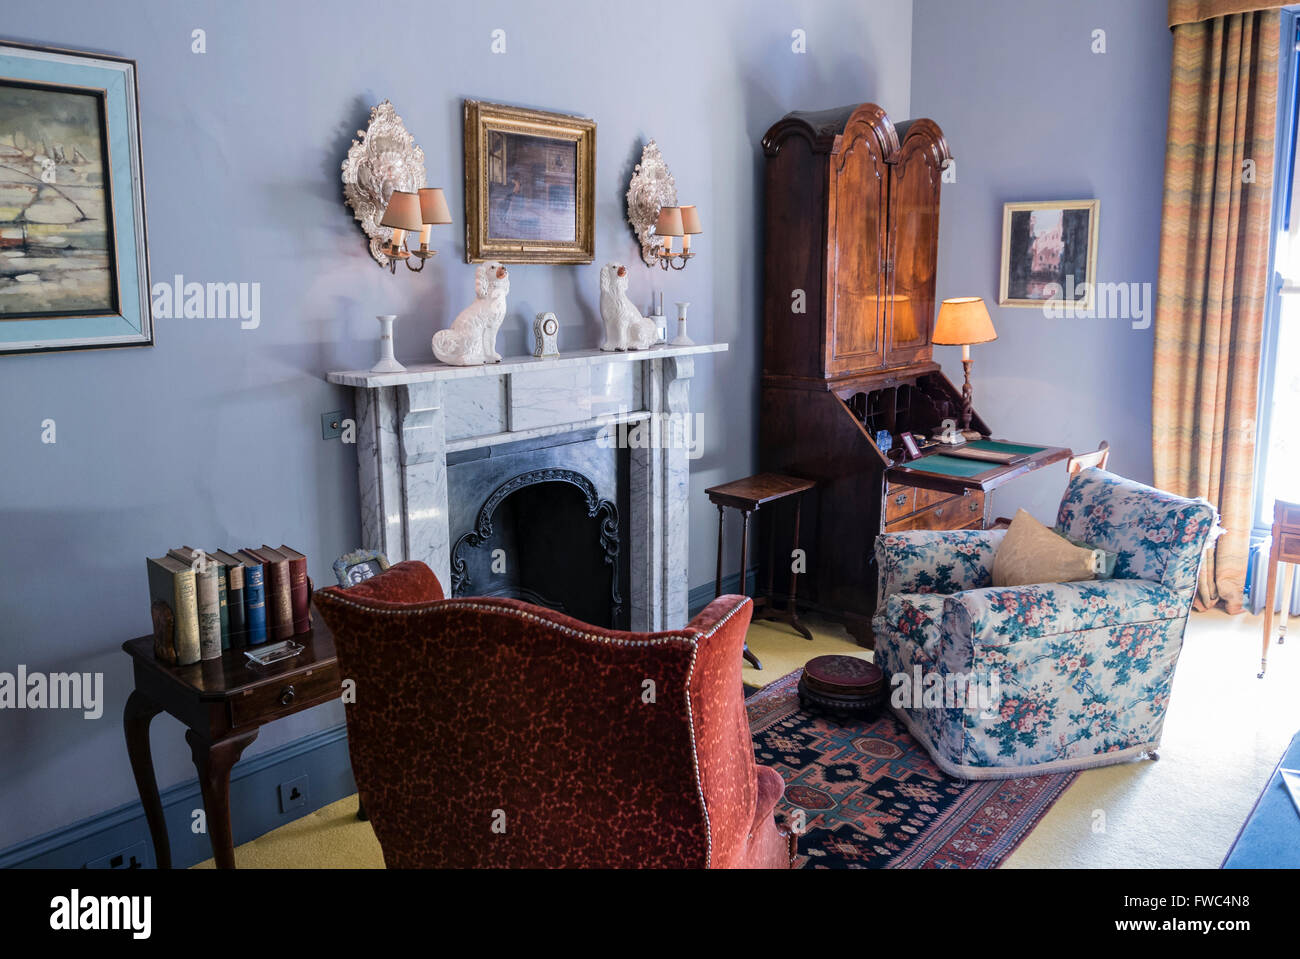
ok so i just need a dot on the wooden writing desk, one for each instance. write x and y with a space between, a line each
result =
961 477
222 702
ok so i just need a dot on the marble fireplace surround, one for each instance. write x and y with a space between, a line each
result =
409 423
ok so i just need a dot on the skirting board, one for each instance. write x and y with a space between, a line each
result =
254 810
254 805
701 596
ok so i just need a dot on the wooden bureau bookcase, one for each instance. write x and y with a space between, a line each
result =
851 242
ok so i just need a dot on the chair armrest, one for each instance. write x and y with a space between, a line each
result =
935 561
1002 615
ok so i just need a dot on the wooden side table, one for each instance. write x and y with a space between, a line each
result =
747 495
223 703
1285 549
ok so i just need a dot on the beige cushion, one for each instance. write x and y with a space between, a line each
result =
1031 553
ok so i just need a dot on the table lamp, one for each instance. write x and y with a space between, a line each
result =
964 320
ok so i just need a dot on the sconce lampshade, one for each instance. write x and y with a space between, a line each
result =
403 212
963 320
690 220
669 222
433 206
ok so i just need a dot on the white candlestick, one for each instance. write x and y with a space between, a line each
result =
387 361
681 339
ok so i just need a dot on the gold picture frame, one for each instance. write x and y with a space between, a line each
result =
1051 257
530 185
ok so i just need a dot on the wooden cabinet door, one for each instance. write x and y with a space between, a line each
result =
913 251
856 244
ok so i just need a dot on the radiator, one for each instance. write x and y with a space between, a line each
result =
1257 579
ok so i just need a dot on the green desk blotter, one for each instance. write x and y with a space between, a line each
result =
1000 447
950 466
943 464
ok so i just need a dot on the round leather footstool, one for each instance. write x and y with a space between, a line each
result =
842 686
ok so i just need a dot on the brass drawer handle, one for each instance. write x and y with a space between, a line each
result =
974 506
938 511
901 499
286 697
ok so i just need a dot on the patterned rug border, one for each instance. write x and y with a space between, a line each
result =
765 707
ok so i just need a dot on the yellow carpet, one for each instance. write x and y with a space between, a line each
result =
1224 733
330 838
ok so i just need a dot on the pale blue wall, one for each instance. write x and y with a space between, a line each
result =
1031 113
212 436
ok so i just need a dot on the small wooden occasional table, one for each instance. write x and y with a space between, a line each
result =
747 495
1284 549
222 702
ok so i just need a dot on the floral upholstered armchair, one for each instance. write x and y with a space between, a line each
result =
1050 677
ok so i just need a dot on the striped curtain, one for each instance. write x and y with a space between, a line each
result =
1212 284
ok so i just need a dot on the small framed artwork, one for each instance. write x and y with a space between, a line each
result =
910 444
359 566
74 262
1049 254
530 189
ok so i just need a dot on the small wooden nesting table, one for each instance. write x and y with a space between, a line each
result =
747 495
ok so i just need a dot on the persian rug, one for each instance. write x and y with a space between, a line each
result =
871 798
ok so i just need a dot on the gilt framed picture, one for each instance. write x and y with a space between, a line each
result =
74 264
529 185
1049 254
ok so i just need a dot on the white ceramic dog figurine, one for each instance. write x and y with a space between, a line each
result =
472 338
625 327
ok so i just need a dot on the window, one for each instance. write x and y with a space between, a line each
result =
1277 452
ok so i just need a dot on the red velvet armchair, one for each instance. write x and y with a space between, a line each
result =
492 733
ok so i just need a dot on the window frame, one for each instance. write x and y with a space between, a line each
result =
1284 174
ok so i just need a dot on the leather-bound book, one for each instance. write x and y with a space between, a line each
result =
254 597
223 608
207 590
172 582
279 601
299 596
236 614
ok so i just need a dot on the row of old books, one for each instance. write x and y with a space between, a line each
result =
222 600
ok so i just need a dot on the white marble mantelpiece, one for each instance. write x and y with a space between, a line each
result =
425 372
409 422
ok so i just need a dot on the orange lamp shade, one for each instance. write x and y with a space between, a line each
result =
963 320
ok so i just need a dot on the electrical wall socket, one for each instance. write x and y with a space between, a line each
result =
293 794
135 856
331 425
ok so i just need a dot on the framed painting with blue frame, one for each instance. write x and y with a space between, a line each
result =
74 262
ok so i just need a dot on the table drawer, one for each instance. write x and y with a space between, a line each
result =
925 498
958 512
903 501
1289 548
899 501
276 699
